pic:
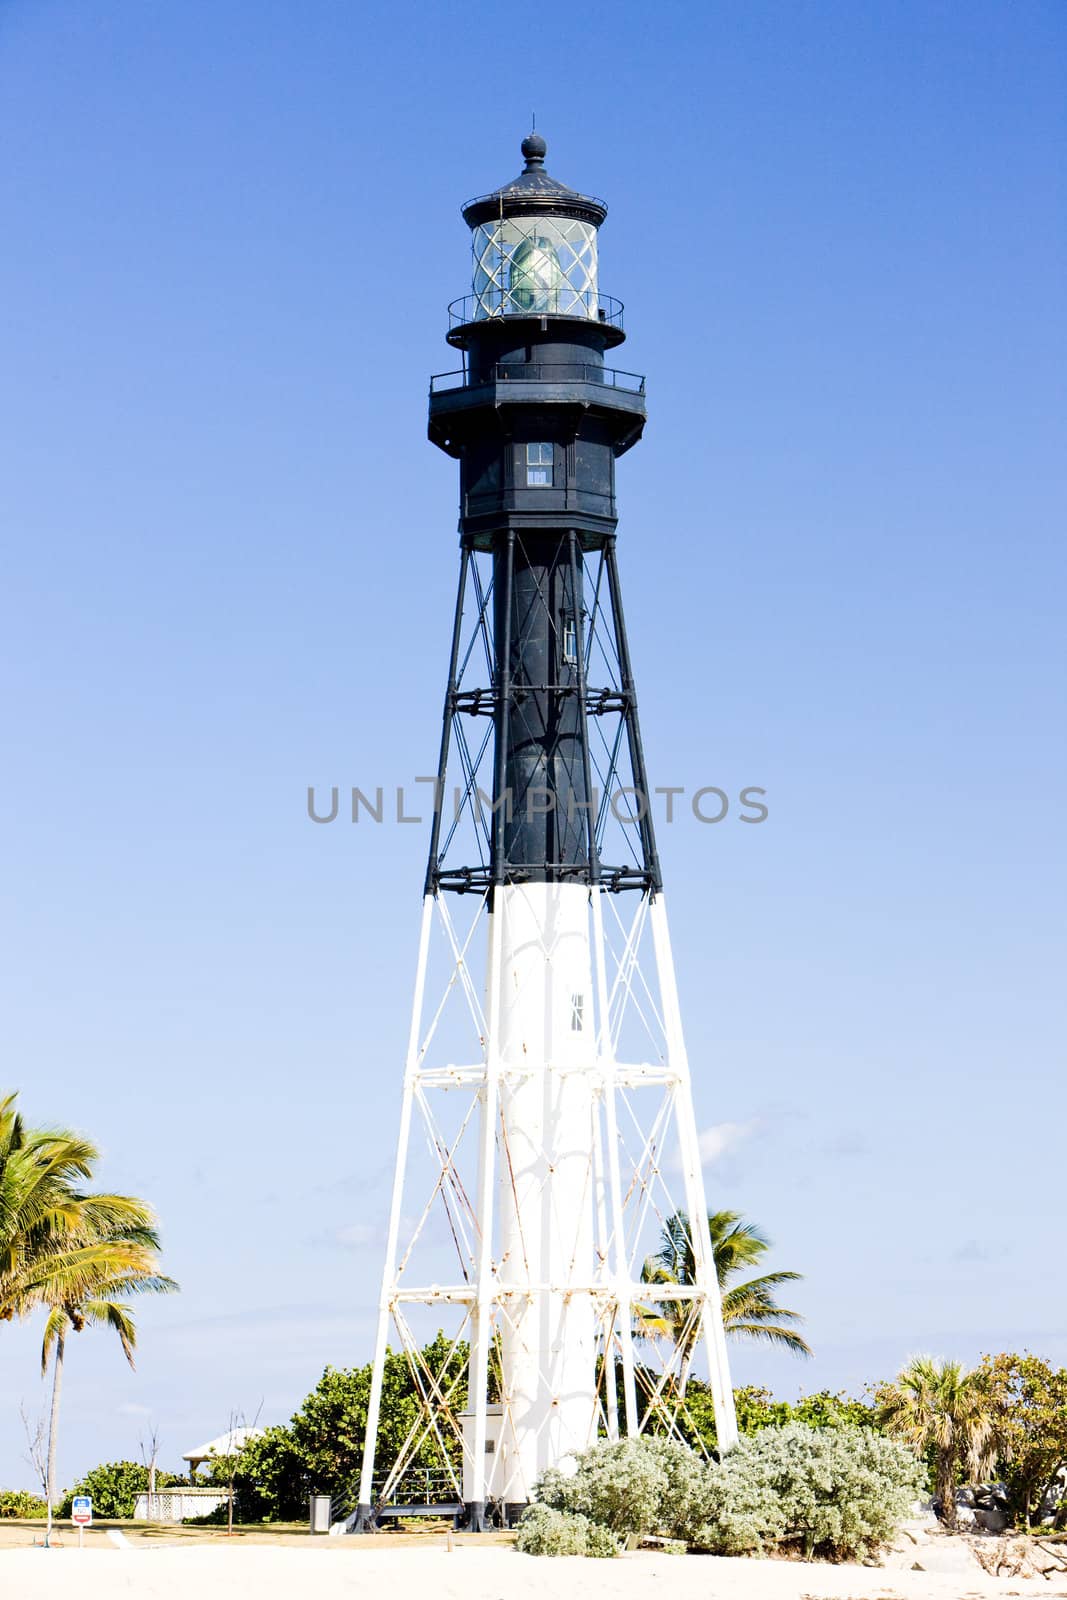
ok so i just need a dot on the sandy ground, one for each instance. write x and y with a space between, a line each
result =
341 1570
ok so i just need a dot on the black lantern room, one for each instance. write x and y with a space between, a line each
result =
539 419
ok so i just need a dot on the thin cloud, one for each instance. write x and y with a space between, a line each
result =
979 1251
844 1145
722 1137
356 1234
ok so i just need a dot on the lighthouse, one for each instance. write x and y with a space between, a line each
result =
547 1132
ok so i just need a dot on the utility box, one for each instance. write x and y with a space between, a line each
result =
321 1507
494 1419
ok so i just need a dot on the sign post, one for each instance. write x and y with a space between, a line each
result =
81 1514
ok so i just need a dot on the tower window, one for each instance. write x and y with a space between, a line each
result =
570 645
539 466
577 1012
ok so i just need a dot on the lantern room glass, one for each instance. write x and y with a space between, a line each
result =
533 266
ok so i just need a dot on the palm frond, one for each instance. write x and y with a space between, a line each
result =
750 1308
54 1327
771 1333
115 1316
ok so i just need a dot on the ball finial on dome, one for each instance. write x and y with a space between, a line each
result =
534 148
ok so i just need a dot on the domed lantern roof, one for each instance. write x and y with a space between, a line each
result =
534 193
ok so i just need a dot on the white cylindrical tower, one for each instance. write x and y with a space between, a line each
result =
545 1182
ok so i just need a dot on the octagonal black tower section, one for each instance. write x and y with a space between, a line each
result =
537 420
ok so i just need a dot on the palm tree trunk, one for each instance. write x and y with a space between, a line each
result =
53 1423
946 1487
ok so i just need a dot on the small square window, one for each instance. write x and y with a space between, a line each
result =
539 466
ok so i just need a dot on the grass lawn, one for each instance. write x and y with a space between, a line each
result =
19 1532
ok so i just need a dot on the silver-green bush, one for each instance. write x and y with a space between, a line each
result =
544 1531
681 1510
634 1486
741 1513
835 1492
622 1486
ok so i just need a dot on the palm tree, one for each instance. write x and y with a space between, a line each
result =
941 1404
39 1206
114 1258
81 1255
749 1309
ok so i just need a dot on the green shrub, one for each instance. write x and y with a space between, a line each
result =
1029 1403
828 1409
271 1483
836 1492
329 1429
114 1487
544 1531
21 1503
756 1409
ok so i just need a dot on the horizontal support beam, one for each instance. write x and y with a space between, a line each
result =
628 1075
636 1291
481 702
468 880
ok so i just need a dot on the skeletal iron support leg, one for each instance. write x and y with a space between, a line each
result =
604 1189
711 1323
446 726
633 726
611 1387
487 1168
619 1266
363 1518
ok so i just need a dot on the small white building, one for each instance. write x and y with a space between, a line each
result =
227 1444
175 1504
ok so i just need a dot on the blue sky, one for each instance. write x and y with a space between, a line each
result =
230 234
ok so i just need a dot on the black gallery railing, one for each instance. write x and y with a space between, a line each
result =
539 372
492 302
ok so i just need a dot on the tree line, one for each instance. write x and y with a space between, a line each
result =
1006 1420
78 1257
